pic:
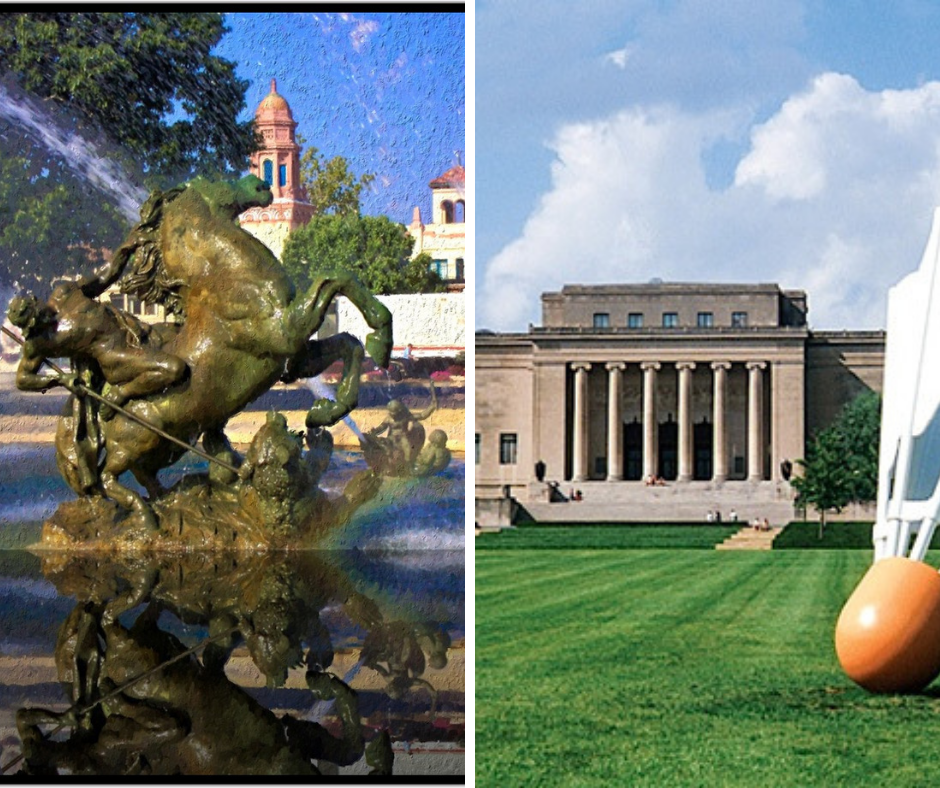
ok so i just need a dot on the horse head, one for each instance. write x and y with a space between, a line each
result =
230 198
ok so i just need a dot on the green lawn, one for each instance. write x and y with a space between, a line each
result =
682 668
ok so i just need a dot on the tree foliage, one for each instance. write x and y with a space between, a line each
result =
841 463
48 225
374 248
146 80
143 89
330 185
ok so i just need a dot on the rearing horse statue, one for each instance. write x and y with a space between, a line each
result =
244 327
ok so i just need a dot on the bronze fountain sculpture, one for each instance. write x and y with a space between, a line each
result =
141 396
241 328
405 449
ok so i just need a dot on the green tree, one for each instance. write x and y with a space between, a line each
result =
49 226
146 80
374 248
144 89
841 463
330 185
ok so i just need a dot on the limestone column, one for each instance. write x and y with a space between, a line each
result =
579 453
720 429
615 420
755 420
685 420
650 428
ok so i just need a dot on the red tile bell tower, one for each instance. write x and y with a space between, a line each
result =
278 163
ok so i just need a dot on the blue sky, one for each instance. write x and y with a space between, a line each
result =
386 91
704 140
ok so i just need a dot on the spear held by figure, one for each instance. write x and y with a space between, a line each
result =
73 383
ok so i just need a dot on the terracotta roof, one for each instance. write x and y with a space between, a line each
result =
453 177
273 104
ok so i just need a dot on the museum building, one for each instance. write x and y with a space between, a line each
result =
660 401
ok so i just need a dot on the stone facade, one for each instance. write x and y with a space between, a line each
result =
710 390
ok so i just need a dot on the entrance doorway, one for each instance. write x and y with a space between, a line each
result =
669 449
633 451
702 437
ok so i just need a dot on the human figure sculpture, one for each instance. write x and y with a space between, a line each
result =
111 352
434 457
126 351
243 327
395 453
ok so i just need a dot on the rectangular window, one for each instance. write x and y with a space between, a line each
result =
601 320
738 319
282 175
706 320
507 448
439 267
635 320
477 449
670 319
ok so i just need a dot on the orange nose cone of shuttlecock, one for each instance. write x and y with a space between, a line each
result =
888 635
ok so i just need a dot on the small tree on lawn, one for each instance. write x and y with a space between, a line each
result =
841 463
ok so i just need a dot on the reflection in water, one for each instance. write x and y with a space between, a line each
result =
150 653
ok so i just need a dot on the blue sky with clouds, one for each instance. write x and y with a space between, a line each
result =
704 140
384 90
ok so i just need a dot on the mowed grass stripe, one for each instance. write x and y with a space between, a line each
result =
622 602
601 579
591 582
538 575
712 669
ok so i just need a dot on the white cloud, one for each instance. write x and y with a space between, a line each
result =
619 57
834 194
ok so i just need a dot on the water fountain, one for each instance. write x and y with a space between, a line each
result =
229 583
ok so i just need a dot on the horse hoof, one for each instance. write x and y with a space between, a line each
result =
323 413
379 346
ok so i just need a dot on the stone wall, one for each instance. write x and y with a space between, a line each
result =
840 365
435 323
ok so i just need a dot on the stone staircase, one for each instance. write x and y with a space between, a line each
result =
690 502
749 538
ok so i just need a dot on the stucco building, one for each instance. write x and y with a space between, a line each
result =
444 237
710 390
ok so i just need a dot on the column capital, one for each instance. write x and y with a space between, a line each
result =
610 366
680 365
578 366
646 366
751 365
725 365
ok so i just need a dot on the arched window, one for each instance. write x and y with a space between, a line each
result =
267 170
460 212
282 175
447 209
